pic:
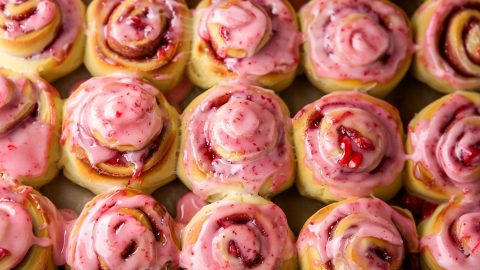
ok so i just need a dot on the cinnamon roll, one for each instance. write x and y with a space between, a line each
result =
444 148
236 137
119 131
148 37
31 230
359 233
253 39
348 144
238 232
123 229
448 57
361 45
450 238
42 36
30 121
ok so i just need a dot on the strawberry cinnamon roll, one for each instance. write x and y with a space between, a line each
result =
355 45
236 137
123 229
149 37
450 238
256 40
238 232
448 55
358 234
349 144
42 36
30 121
119 131
444 148
31 230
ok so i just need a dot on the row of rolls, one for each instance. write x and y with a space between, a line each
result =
235 145
341 44
119 130
128 229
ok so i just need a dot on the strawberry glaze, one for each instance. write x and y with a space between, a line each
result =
157 29
352 144
237 135
363 40
279 54
107 233
433 52
16 225
456 245
71 26
448 145
43 15
238 235
106 114
372 218
17 158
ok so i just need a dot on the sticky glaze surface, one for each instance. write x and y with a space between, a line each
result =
410 97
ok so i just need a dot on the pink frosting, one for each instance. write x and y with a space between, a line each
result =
433 52
72 25
457 244
363 40
447 145
16 225
239 236
188 205
237 136
131 28
376 219
20 154
245 25
126 29
280 54
43 15
352 145
122 110
107 232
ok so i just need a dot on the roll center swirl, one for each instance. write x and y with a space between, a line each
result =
238 28
124 235
123 117
242 242
459 150
360 40
462 41
27 16
467 233
242 129
352 138
136 28
472 40
34 22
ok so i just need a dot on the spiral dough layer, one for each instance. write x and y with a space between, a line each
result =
357 234
450 238
239 232
349 144
443 143
32 229
356 45
448 56
123 229
236 136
